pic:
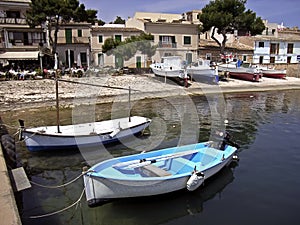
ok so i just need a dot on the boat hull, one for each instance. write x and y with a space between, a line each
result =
41 141
248 76
176 73
241 73
277 74
100 190
171 66
203 75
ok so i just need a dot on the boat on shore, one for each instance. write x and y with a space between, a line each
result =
155 172
47 138
236 71
201 71
171 67
273 73
248 74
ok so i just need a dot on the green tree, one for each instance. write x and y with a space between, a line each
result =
119 20
130 46
225 16
52 13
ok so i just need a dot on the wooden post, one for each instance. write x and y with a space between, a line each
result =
57 103
129 104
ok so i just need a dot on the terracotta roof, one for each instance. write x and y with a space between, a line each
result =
17 1
115 29
243 43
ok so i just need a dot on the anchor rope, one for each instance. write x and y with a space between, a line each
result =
62 185
9 126
61 210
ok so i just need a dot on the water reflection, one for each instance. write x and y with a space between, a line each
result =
247 114
159 209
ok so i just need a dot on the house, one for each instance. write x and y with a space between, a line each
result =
173 33
20 45
118 32
73 44
277 45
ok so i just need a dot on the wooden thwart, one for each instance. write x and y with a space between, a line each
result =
153 170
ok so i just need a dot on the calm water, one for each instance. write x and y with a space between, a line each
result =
264 188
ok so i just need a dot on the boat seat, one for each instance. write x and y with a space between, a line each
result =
152 170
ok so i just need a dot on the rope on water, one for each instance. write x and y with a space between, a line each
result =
62 185
61 210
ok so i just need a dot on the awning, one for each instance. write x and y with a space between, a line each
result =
33 55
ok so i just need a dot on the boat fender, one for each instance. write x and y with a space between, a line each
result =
114 133
195 180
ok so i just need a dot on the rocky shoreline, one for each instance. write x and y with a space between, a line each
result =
16 95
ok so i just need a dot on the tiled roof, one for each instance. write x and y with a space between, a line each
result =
15 1
243 43
115 29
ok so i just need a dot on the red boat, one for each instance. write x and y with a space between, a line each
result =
272 73
248 74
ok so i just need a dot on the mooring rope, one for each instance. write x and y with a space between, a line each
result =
62 185
97 85
61 210
9 126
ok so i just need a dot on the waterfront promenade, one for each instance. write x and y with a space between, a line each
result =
16 95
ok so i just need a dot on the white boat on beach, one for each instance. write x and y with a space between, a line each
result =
171 66
155 172
82 135
201 71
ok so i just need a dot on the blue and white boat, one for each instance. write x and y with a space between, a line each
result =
155 172
82 135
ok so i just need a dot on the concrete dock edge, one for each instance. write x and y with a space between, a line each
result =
9 214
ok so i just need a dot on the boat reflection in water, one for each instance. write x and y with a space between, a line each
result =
162 208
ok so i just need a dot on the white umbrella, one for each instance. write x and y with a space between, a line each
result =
55 61
78 61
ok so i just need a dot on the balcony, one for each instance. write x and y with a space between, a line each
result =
73 40
17 44
167 44
6 20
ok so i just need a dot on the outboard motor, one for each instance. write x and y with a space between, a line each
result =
222 139
195 180
227 140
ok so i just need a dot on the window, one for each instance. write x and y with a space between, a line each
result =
187 40
13 14
261 59
167 41
272 59
261 44
68 35
274 48
273 31
79 33
83 58
118 38
100 39
290 48
208 56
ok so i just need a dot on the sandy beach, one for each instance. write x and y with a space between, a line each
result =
42 93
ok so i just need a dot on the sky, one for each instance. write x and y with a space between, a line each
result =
275 11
